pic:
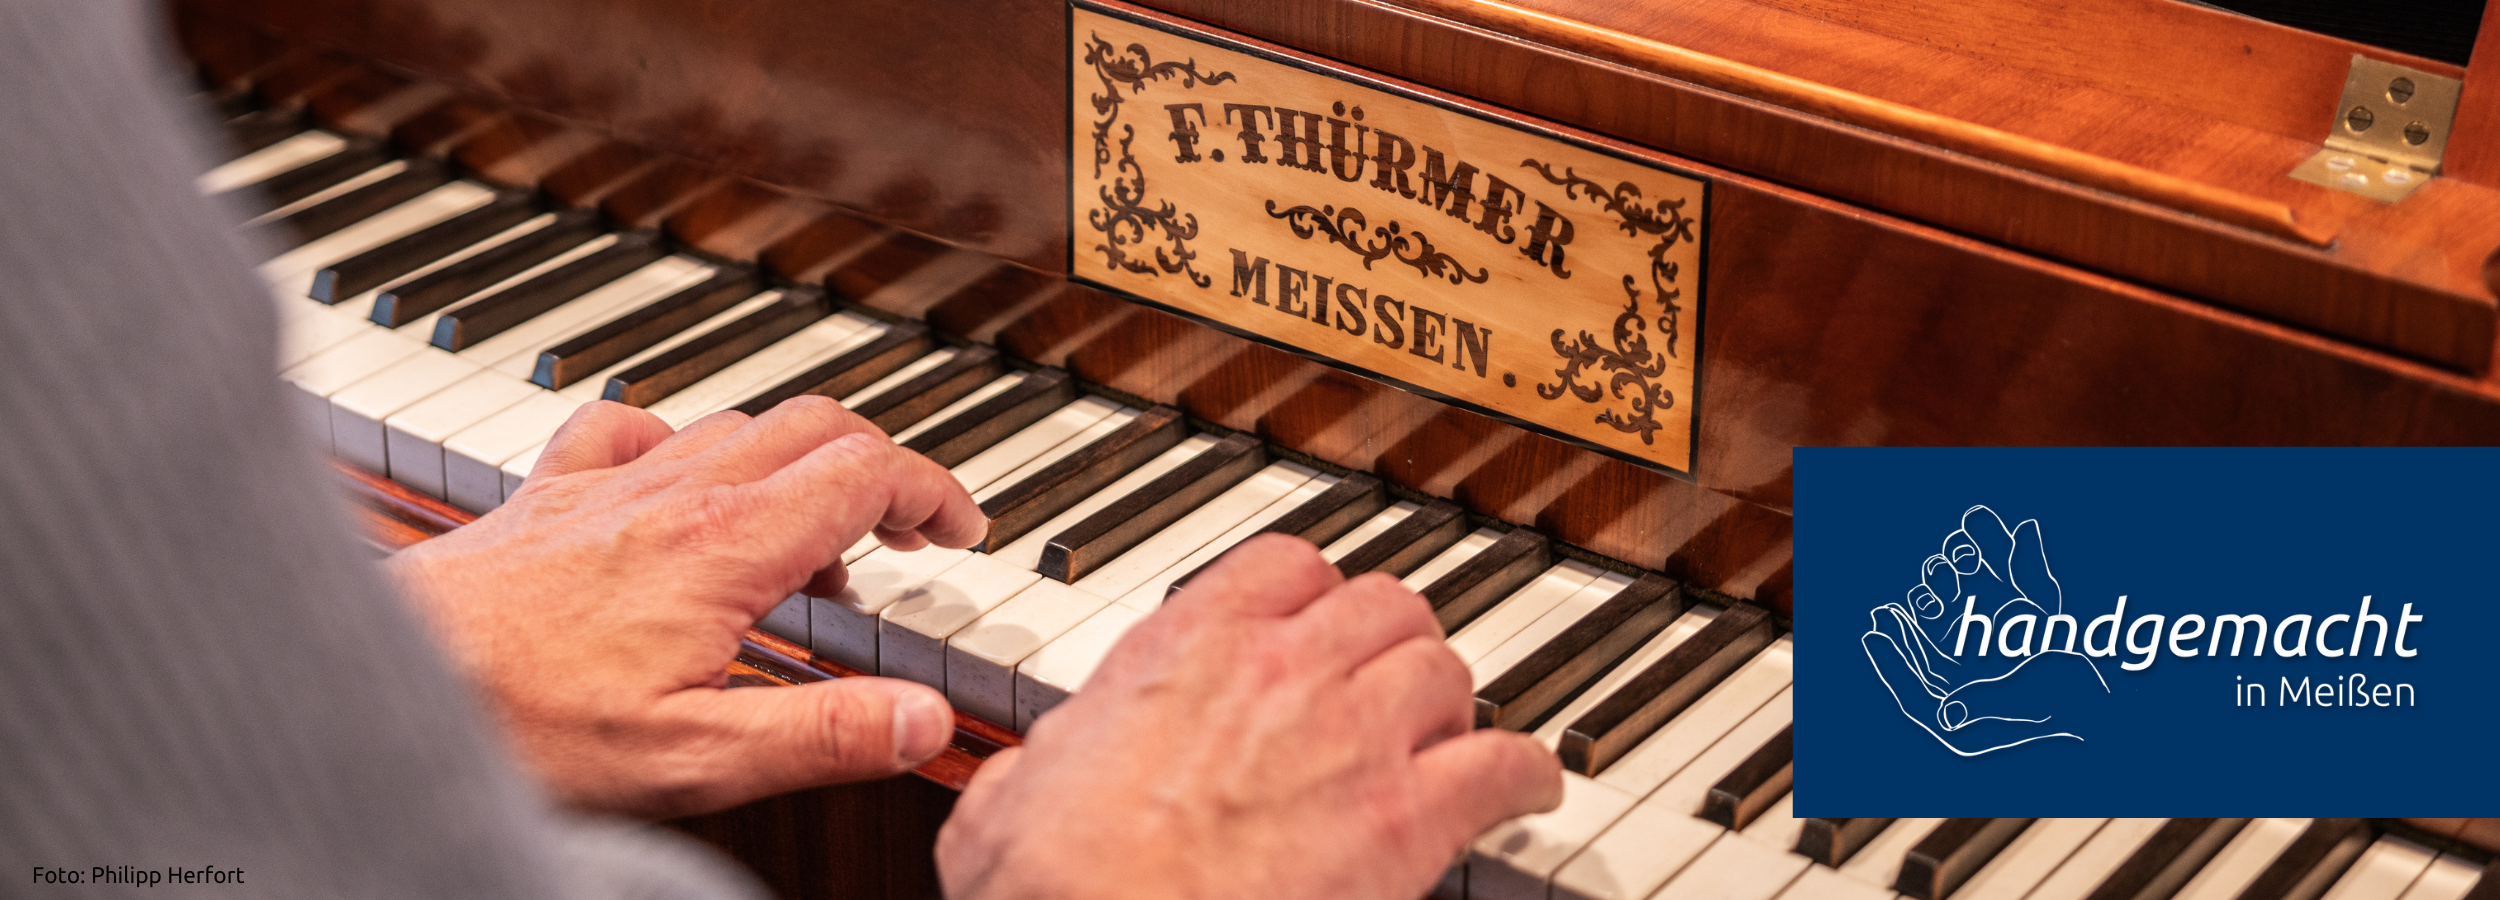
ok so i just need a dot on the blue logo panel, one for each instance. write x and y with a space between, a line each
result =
2147 631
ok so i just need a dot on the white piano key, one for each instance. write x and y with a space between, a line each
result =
1676 632
1497 661
981 657
259 165
1737 869
1450 559
1539 596
359 180
1013 451
2029 859
1515 860
1101 428
1046 678
912 631
357 410
2448 878
787 621
517 469
844 627
315 379
1690 786
413 437
299 337
2383 872
1778 827
473 459
1660 756
1635 855
1822 883
2239 863
736 382
1149 595
2092 863
930 360
1026 552
1879 862
1200 527
951 410
588 389
1371 528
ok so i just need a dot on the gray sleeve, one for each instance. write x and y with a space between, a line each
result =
199 668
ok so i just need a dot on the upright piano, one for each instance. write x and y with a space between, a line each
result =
1152 277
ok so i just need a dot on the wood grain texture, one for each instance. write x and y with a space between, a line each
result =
2446 315
2474 143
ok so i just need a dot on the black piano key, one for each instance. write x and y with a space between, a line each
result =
1414 540
435 291
961 436
1073 478
924 394
856 368
376 267
1755 784
328 216
2304 870
1341 508
1464 593
1103 536
465 326
2164 862
1832 841
652 380
254 131
1606 732
591 351
1953 852
357 158
1571 660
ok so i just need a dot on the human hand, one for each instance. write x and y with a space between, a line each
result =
599 607
1275 731
1971 702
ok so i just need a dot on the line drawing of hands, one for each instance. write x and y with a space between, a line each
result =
1972 704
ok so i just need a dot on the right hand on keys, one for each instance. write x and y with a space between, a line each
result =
1275 731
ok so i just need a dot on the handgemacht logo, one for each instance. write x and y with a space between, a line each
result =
1980 703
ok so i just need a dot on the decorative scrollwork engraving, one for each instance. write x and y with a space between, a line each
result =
1344 227
1127 218
1665 218
1134 70
1633 365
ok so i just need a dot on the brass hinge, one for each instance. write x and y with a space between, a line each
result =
2390 130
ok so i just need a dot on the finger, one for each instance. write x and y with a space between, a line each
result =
1420 690
828 581
1486 776
1268 575
782 435
845 488
698 436
599 435
766 741
1361 618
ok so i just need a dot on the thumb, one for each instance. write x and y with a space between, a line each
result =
768 741
1484 777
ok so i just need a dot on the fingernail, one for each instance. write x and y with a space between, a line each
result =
922 723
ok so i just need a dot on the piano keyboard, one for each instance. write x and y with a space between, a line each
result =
438 330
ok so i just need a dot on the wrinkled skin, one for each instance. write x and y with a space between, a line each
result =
1275 731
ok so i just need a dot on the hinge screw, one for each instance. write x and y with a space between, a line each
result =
2400 90
2359 119
2415 134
